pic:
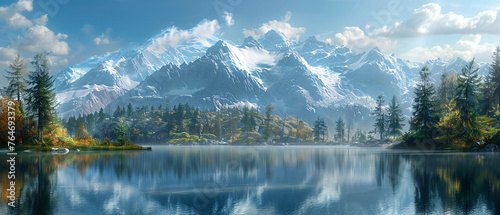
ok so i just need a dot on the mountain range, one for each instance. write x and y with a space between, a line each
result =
307 79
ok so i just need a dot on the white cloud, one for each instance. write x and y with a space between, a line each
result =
206 29
39 38
282 26
42 20
18 21
57 61
428 20
358 41
174 36
467 47
103 39
12 17
228 17
6 55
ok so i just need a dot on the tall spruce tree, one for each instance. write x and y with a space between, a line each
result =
248 119
380 121
40 93
446 91
194 123
218 126
319 129
487 100
466 99
395 118
17 85
269 108
340 130
495 78
425 115
102 115
130 110
179 115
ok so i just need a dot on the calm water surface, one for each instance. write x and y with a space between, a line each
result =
255 180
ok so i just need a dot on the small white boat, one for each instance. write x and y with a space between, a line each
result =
60 150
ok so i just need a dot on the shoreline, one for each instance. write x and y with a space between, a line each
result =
81 148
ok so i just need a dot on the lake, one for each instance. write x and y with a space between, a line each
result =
255 180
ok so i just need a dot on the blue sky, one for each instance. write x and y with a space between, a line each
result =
415 30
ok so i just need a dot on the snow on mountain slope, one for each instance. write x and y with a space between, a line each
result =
438 66
229 75
309 79
225 75
274 41
120 71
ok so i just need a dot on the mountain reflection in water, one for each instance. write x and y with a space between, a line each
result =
254 180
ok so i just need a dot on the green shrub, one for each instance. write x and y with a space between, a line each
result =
66 141
182 138
209 136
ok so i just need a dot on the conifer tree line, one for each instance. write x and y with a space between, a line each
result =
388 121
463 110
183 121
33 92
36 120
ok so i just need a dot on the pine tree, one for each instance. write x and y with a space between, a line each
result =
121 133
248 119
233 122
395 118
425 116
446 91
379 114
218 126
340 130
130 110
71 125
269 108
487 107
16 75
495 79
194 128
117 112
466 99
102 115
123 112
90 120
171 123
179 117
41 96
319 129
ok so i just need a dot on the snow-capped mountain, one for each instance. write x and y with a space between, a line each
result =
250 73
309 79
94 83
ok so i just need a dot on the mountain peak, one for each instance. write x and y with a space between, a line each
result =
312 43
274 34
376 50
312 39
250 42
218 48
274 41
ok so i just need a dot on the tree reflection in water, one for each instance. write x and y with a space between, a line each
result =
222 180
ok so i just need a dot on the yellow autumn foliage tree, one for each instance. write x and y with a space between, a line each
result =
10 116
